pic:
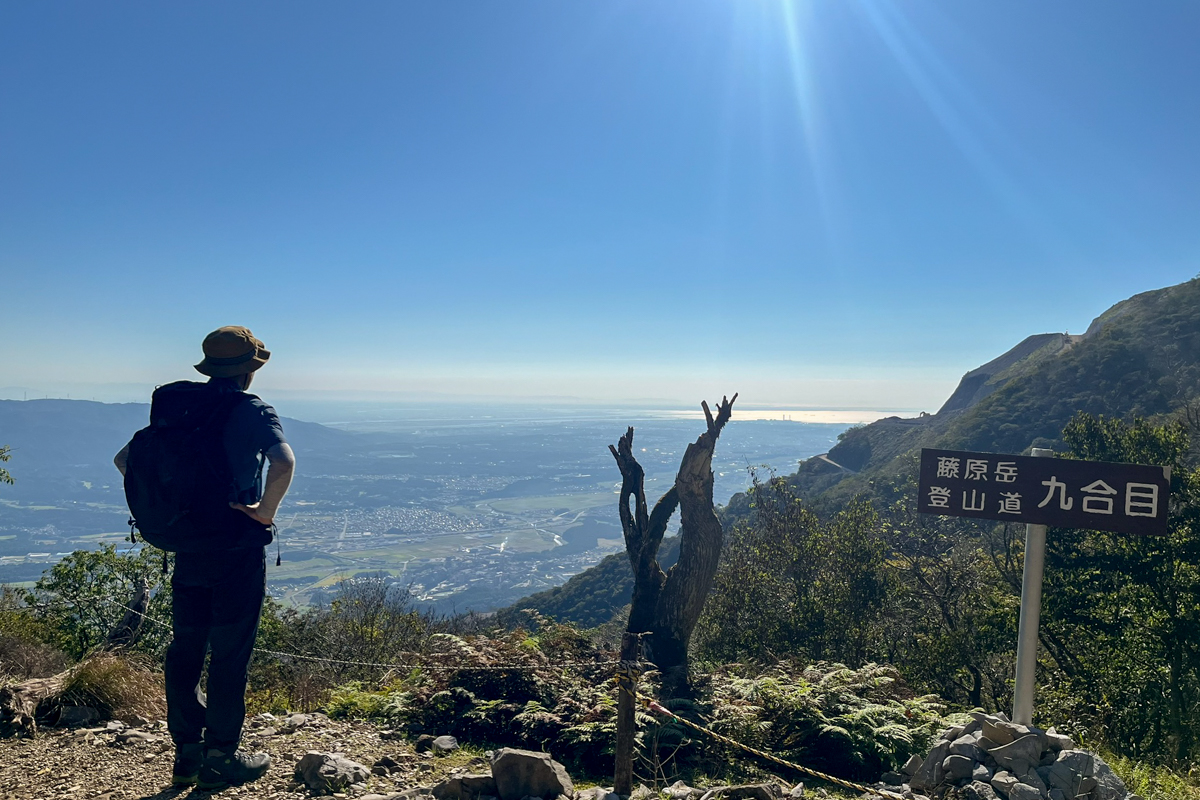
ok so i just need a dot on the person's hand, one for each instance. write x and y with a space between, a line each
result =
251 511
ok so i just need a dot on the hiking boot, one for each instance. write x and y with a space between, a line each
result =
222 769
188 758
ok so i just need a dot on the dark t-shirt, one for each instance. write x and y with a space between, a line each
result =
253 429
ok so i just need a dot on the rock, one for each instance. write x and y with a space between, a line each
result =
1058 794
967 746
597 793
415 793
798 791
641 792
931 773
1108 785
134 736
385 766
987 745
892 778
444 744
950 734
523 773
681 791
958 767
268 732
326 773
912 765
977 790
1034 778
388 735
981 774
1003 781
1056 741
1021 791
114 726
1068 771
748 791
69 716
466 787
1002 732
294 723
424 743
1020 755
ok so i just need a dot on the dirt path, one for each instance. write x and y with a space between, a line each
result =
91 764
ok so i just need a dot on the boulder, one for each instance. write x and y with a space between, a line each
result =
443 744
524 773
326 773
912 765
465 787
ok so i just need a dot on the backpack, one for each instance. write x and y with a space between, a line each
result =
178 481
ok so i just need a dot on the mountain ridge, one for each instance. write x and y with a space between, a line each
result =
1140 357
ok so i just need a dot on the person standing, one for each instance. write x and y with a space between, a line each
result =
219 582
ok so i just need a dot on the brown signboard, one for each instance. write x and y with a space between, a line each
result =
1065 493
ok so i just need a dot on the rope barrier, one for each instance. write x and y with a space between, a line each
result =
858 787
628 674
380 665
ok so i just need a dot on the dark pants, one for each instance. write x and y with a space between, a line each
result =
216 599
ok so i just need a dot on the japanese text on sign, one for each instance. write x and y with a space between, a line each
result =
1127 498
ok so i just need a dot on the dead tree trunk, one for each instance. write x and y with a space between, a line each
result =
19 702
668 604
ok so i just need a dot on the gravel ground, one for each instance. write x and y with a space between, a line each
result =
135 764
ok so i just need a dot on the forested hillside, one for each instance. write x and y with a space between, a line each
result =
1139 358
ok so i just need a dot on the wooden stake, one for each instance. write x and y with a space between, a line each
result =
626 715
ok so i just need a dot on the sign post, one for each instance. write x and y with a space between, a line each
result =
1031 611
1042 491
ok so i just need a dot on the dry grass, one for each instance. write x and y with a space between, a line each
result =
22 658
116 685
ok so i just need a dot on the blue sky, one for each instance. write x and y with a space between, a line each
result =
830 204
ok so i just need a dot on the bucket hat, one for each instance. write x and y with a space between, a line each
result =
231 351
